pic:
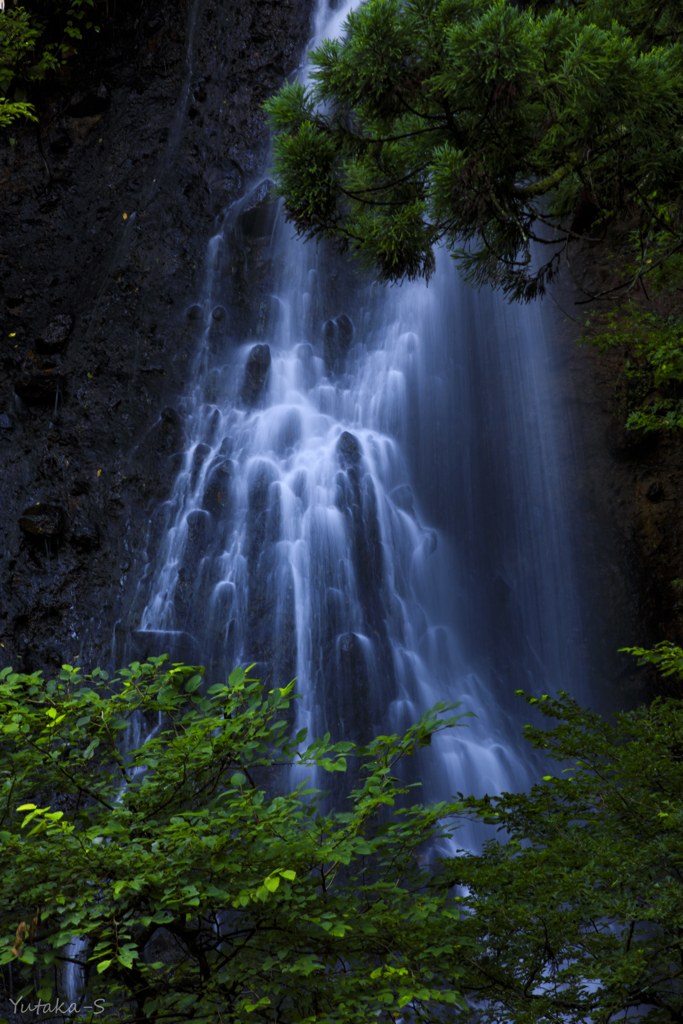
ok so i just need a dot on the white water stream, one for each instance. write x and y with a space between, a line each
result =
371 500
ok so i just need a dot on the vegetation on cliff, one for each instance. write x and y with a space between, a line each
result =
206 883
487 128
35 41
648 329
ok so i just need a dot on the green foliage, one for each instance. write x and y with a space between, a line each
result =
666 657
210 890
11 111
484 127
20 62
578 915
206 887
653 374
31 47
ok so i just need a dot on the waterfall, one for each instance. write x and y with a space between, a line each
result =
369 497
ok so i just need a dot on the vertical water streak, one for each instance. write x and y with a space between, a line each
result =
73 975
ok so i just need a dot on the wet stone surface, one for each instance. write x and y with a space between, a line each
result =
255 373
41 520
54 337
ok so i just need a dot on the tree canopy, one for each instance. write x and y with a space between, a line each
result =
577 915
206 885
489 129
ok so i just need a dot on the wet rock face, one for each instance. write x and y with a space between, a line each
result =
337 338
41 520
107 210
85 532
255 373
54 337
257 218
89 101
357 501
198 534
38 384
216 498
355 705
349 449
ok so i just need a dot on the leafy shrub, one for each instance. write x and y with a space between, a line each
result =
31 47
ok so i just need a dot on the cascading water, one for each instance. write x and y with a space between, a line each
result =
317 453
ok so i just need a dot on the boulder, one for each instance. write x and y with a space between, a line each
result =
54 337
354 689
349 449
216 499
430 542
5 422
195 312
255 373
345 328
43 520
337 338
198 535
212 426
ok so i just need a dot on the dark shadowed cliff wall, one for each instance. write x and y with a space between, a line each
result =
105 213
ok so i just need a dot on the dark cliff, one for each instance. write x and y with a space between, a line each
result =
107 206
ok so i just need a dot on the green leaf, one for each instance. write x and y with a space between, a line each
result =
193 684
90 749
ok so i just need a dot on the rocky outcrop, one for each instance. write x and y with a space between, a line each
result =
54 337
216 498
349 449
107 209
43 521
256 219
337 335
255 374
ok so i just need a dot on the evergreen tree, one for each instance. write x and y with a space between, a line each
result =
486 127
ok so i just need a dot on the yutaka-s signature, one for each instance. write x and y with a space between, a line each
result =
58 1007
